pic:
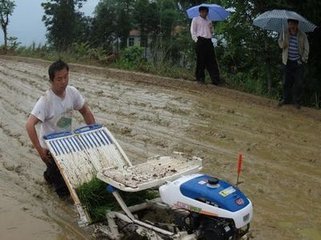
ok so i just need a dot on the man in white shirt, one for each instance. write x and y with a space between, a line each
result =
201 31
53 111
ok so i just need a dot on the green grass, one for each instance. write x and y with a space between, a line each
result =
97 201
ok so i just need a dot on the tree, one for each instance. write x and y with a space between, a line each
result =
6 10
104 26
146 19
124 20
62 21
111 24
311 10
250 56
167 44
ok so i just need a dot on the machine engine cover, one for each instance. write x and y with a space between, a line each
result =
210 196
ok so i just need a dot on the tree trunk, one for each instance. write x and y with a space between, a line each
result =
5 39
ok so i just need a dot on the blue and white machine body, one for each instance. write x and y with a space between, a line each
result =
209 196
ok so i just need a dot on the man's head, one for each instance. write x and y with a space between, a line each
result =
203 11
293 26
55 67
59 77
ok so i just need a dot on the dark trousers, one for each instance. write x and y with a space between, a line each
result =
293 82
53 176
206 59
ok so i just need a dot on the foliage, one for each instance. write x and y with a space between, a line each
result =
13 44
132 55
132 58
169 39
247 55
6 10
111 24
97 201
124 20
63 22
146 16
103 28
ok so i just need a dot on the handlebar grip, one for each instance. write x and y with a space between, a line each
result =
88 128
57 135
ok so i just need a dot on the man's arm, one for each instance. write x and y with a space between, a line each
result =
32 133
194 30
87 114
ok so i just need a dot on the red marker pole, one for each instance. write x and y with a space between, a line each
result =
239 167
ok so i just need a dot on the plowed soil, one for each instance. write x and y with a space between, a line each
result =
149 116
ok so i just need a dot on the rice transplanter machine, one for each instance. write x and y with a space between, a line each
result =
200 206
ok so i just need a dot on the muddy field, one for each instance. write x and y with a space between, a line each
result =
150 115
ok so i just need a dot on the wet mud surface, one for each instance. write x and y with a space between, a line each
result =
149 116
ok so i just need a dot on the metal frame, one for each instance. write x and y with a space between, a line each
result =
92 151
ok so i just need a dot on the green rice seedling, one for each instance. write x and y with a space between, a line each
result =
97 201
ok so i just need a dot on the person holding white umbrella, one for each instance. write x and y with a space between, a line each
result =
295 52
295 48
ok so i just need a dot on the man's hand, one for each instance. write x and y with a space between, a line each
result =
45 156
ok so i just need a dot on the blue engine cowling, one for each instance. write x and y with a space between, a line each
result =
209 196
214 192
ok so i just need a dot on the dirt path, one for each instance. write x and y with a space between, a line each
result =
150 115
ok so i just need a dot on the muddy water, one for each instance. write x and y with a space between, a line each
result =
151 115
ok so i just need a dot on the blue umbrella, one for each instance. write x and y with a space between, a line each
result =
215 12
276 20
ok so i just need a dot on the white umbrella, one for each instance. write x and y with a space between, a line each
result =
276 20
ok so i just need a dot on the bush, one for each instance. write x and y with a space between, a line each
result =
131 57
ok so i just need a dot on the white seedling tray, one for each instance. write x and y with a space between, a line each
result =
151 173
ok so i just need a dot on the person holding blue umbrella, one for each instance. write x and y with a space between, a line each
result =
295 52
201 31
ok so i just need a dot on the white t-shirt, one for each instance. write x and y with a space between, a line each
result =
55 113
